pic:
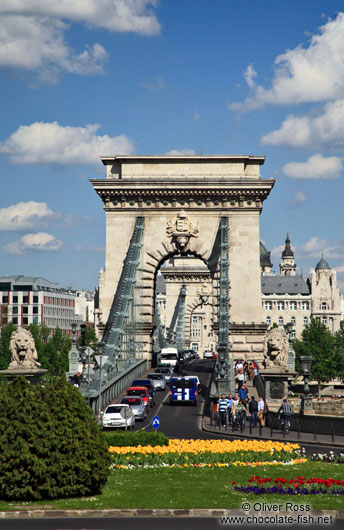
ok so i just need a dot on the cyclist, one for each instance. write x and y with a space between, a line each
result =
240 412
285 413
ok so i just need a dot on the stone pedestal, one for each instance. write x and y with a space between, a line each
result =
276 385
32 375
307 405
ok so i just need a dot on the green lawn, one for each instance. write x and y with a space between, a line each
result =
196 488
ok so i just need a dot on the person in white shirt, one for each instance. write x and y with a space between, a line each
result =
261 411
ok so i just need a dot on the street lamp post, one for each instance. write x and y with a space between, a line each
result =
101 360
82 348
306 400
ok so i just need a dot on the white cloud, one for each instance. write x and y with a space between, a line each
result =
316 167
299 197
277 251
158 83
249 76
196 116
315 247
32 33
115 15
305 74
45 143
323 129
181 152
41 242
24 216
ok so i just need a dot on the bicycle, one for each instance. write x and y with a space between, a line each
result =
240 422
284 424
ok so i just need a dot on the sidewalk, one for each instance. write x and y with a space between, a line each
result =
268 433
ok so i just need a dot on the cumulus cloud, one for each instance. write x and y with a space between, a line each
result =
249 76
316 167
299 197
310 73
24 216
316 246
323 129
45 143
32 34
181 152
40 242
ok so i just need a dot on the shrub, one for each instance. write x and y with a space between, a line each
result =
51 445
133 439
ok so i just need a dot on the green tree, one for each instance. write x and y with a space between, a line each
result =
53 355
51 444
5 356
318 342
91 339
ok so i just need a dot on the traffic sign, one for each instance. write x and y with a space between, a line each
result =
156 422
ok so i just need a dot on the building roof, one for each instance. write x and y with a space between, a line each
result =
287 249
35 282
322 264
278 284
264 256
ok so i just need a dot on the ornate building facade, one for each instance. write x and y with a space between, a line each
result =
289 297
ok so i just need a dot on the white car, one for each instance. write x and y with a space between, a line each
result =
119 415
209 355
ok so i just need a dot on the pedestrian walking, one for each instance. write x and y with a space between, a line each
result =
261 411
223 406
243 393
253 410
240 378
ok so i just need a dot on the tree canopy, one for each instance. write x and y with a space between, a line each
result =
319 343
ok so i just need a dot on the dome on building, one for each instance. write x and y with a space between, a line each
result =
322 264
264 254
287 249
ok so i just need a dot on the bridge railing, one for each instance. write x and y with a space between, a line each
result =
113 388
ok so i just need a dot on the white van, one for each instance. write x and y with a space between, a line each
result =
169 356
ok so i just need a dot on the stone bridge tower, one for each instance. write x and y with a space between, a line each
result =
182 199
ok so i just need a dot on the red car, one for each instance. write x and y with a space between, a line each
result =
140 391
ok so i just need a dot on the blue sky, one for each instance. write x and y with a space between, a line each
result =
79 80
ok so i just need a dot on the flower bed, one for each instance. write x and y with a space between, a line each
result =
294 486
207 453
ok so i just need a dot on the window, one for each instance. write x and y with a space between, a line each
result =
323 306
194 346
305 306
324 320
305 321
35 309
268 306
25 321
293 334
195 332
35 320
292 306
268 320
15 321
293 320
280 306
15 310
25 299
14 299
280 321
5 299
35 299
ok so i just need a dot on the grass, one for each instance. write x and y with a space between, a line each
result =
195 488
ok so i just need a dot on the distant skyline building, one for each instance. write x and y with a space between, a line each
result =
28 300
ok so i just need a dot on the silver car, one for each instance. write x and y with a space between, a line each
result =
158 380
137 405
165 371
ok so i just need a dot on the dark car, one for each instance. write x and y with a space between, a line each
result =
148 384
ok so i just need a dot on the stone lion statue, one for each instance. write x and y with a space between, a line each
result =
23 350
275 348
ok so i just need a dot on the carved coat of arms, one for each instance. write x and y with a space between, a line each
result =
204 293
181 229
